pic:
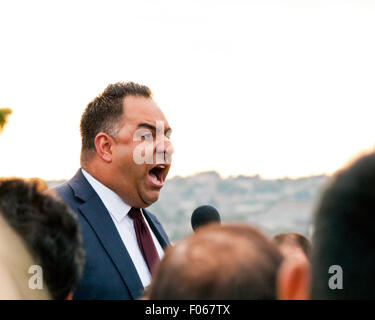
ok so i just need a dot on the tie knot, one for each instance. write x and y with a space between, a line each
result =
135 213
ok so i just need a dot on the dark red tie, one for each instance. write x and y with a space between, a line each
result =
145 242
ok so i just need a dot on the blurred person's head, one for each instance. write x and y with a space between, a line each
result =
222 262
293 245
37 230
125 143
344 229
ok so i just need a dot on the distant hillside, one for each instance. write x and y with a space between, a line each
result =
274 206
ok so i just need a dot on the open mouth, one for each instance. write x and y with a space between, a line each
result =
156 175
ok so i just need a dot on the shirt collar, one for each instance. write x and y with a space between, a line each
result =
114 204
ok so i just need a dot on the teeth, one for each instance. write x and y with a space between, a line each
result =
161 166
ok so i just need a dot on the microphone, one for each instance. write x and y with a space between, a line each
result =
204 215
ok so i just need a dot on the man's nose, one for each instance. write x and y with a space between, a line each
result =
165 148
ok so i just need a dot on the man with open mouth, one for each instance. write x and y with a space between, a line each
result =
125 159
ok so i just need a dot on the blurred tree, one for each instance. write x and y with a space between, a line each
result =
4 113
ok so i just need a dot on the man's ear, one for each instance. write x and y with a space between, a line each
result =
103 145
293 280
69 296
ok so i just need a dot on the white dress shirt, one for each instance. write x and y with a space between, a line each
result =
119 210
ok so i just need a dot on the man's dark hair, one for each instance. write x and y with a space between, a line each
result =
295 240
344 233
103 114
218 262
48 229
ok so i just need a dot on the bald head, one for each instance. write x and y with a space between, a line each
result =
219 262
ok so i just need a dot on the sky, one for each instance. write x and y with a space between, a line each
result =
277 88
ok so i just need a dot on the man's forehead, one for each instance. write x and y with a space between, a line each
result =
142 109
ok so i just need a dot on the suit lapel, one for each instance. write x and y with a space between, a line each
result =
99 218
154 225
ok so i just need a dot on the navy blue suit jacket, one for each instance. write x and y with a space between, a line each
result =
109 272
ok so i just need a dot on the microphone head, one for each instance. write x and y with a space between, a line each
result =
204 215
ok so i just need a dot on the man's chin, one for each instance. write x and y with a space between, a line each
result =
150 198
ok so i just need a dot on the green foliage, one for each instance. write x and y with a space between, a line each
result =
4 113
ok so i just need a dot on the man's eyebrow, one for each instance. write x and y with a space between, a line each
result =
147 125
152 127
